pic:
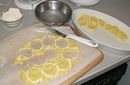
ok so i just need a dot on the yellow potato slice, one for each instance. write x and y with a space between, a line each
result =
93 18
63 63
92 25
108 27
114 30
50 70
122 36
36 44
34 75
62 43
23 76
82 20
49 40
101 23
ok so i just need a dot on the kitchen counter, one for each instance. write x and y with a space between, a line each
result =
119 9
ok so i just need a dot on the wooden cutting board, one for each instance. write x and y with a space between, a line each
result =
89 57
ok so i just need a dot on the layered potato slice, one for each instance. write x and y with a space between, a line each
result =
45 58
49 40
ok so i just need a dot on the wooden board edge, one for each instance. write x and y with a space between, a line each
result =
83 71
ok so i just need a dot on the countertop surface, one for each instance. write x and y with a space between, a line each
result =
119 9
